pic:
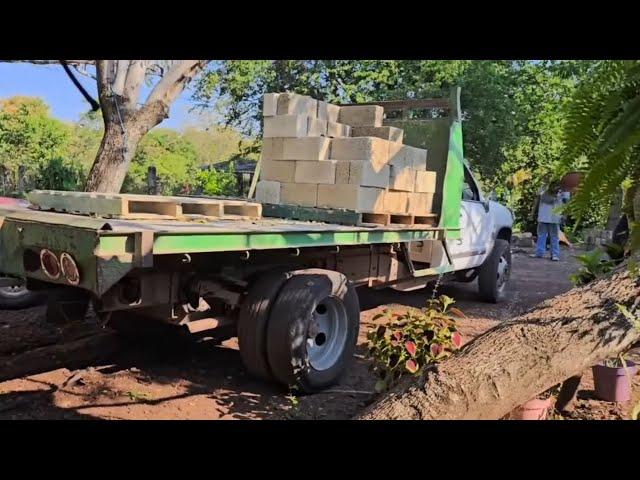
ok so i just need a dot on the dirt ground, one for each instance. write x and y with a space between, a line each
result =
106 378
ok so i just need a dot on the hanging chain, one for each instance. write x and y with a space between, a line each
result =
437 285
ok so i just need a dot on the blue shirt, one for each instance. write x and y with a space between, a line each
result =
549 205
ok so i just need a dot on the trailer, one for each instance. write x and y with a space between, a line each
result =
284 286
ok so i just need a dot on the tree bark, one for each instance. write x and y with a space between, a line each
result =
515 361
125 124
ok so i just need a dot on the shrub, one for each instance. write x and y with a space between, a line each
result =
416 339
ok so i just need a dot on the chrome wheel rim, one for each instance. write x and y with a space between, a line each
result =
327 333
503 273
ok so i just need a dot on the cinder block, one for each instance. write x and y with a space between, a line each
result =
419 203
425 182
286 126
351 197
315 172
402 178
338 130
362 115
328 112
392 134
294 104
395 202
270 105
316 127
268 191
364 174
299 194
278 171
372 149
333 113
272 148
309 148
342 172
417 157
397 154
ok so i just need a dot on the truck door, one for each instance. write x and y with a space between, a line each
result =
476 225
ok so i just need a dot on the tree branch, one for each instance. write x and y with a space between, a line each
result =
133 82
121 68
174 81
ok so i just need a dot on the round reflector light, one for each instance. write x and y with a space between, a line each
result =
49 264
69 269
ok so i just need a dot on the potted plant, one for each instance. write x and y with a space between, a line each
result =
535 409
612 379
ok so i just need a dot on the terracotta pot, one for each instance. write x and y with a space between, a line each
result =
571 181
534 409
611 383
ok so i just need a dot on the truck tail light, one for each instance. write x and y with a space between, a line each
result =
69 269
49 264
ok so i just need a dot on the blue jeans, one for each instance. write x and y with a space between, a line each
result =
552 230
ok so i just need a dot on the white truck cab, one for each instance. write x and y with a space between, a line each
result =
483 250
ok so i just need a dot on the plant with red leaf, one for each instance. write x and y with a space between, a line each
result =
413 340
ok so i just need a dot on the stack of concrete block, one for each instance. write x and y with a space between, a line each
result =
321 155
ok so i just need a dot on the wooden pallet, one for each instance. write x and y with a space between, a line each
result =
131 206
342 217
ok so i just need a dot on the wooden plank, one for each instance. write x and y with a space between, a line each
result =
430 220
311 214
207 209
402 219
244 209
88 203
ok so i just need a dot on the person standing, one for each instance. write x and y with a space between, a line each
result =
549 220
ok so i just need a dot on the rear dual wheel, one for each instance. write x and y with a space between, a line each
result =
305 334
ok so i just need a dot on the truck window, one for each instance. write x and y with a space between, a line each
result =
469 188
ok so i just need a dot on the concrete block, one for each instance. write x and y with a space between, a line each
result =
278 171
372 149
362 115
315 172
417 157
286 126
299 194
316 127
425 181
392 134
397 154
342 172
419 203
395 202
270 105
309 148
338 130
268 191
294 104
402 178
351 197
272 148
333 113
328 112
366 175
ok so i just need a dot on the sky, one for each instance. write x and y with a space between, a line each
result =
51 83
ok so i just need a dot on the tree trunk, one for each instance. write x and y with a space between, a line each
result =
119 144
515 361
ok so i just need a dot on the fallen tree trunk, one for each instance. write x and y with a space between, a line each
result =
516 360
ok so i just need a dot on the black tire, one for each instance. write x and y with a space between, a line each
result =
289 326
491 285
253 319
15 298
466 276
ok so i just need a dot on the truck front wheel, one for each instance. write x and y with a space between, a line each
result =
313 330
495 272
